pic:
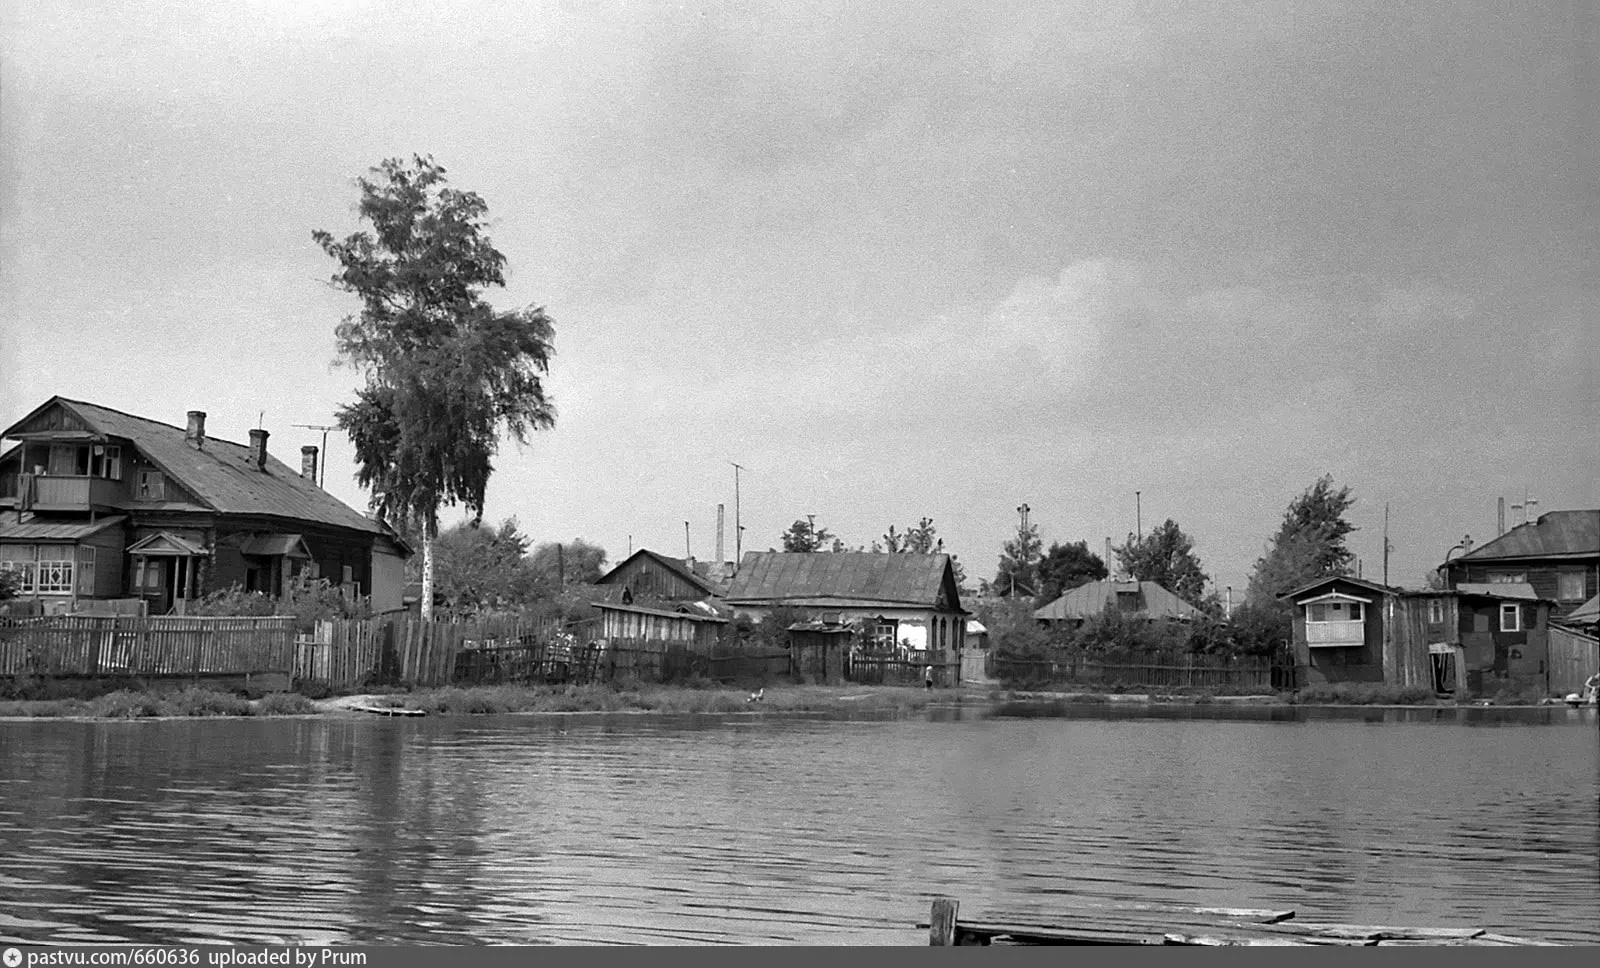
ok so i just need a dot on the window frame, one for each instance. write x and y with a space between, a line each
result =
56 575
1563 577
1435 611
1514 612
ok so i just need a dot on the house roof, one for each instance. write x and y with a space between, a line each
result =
267 545
1372 586
1556 534
844 579
36 529
166 543
677 566
1093 598
219 474
1587 612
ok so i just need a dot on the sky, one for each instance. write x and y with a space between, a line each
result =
1119 262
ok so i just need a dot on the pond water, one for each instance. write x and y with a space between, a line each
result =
770 829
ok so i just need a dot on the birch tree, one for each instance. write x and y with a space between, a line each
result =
446 373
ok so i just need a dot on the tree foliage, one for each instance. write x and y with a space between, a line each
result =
1165 556
577 562
805 536
483 566
1065 567
1018 573
1309 544
446 373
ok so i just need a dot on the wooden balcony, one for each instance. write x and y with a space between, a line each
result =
72 492
1342 635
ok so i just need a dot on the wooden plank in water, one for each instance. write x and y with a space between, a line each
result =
389 711
942 922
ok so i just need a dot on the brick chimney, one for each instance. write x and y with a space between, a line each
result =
196 434
308 462
258 449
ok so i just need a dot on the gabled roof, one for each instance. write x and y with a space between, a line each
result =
1557 534
677 566
1093 598
219 474
1372 586
166 543
860 577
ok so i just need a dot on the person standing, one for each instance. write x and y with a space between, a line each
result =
927 678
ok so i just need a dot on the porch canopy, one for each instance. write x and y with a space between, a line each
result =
165 544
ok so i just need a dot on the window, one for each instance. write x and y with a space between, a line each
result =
18 559
55 571
152 486
85 571
105 460
1510 618
1507 577
1569 586
1435 611
1334 612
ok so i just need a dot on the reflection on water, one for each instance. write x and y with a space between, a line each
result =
633 829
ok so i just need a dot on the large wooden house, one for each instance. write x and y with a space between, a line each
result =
97 504
1558 556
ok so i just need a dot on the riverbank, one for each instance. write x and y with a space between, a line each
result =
455 700
677 699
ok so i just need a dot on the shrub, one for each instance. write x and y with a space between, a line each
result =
284 704
125 704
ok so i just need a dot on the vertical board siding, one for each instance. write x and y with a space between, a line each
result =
99 645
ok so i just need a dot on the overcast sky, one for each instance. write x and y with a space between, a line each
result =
898 259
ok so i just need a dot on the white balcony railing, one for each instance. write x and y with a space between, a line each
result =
1342 634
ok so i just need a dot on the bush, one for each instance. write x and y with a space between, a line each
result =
284 704
307 603
1365 694
125 704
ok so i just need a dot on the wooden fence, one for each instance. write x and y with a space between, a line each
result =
93 646
869 670
1574 657
1149 671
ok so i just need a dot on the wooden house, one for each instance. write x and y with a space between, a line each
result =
1472 640
1558 556
648 575
1144 599
97 505
907 600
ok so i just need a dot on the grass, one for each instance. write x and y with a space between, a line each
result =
1364 694
144 704
632 697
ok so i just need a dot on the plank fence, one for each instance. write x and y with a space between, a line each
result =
877 671
64 646
1149 671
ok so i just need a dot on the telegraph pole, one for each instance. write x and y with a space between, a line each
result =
1138 515
738 531
322 460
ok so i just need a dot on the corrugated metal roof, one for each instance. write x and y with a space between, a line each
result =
1555 533
1093 598
36 529
220 473
859 577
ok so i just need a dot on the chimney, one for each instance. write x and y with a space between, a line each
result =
308 462
196 434
719 559
258 449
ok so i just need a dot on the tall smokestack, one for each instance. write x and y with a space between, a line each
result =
308 462
258 448
1502 516
196 434
720 559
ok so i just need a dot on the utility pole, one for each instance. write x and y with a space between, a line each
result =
738 530
322 461
1387 547
1138 515
686 552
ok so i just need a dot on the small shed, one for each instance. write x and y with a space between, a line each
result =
819 650
697 624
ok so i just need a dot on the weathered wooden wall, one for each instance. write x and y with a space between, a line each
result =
1574 657
98 646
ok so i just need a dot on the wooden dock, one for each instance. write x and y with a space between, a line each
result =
1153 924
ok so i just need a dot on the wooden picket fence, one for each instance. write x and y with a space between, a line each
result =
880 671
97 645
1149 671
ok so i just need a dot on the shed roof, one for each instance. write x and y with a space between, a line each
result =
1093 598
1313 585
1587 612
692 615
38 529
219 473
845 578
1567 534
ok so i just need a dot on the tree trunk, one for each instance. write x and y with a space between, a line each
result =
428 528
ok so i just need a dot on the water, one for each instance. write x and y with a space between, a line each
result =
762 829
